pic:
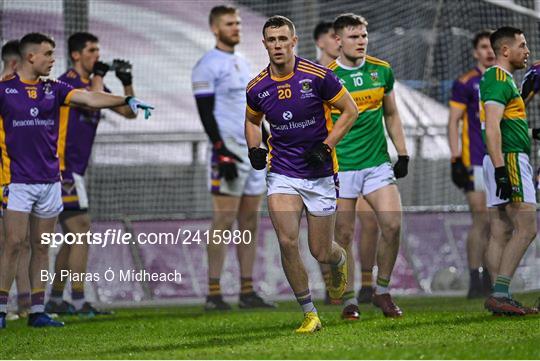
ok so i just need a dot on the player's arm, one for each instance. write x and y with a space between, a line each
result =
494 114
393 124
100 100
349 113
254 136
394 127
123 71
460 175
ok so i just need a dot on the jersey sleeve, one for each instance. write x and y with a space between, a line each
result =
252 104
64 92
331 90
389 86
459 96
494 90
203 79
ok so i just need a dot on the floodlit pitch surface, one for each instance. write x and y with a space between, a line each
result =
433 327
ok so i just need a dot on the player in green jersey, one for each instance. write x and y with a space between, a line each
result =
364 164
510 193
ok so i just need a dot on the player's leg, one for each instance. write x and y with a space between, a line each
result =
45 211
56 303
369 235
22 278
225 212
477 241
521 212
344 233
382 194
248 225
15 227
285 213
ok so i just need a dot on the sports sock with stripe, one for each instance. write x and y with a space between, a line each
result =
4 294
349 299
38 300
214 289
246 285
304 299
502 285
382 286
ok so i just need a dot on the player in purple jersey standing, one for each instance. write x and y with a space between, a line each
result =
11 59
295 95
467 171
29 127
78 128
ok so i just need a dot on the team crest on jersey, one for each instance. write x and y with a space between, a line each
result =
306 88
34 111
374 75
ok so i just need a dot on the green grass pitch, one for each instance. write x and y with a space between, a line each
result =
433 327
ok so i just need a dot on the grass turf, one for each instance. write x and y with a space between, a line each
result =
433 327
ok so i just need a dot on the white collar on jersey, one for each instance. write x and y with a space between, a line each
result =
351 67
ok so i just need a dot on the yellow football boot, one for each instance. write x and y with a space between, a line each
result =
310 324
338 280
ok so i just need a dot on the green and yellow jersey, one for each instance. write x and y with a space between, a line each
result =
498 86
364 146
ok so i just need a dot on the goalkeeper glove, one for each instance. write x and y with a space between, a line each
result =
401 168
257 157
100 69
136 104
226 161
504 188
460 174
531 82
318 155
123 70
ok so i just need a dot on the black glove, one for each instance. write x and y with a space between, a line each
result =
100 69
318 155
257 157
401 168
535 132
460 173
123 71
226 162
504 188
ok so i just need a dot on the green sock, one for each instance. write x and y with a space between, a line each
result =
502 283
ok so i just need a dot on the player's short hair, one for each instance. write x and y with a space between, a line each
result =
499 36
77 41
348 20
219 11
322 28
34 39
277 21
10 50
486 33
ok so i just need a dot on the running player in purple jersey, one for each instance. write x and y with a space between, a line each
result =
11 59
29 127
295 95
78 128
467 163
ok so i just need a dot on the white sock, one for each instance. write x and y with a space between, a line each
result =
381 290
56 300
342 260
3 308
309 307
350 301
78 303
37 308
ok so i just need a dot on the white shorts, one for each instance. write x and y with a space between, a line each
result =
250 182
356 183
521 177
43 200
74 194
476 179
319 194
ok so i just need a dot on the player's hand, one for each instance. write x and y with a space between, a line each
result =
123 70
401 168
318 155
460 173
504 188
136 104
531 82
226 162
257 157
100 69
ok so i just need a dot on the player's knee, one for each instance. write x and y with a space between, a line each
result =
14 246
288 243
528 234
392 230
344 235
